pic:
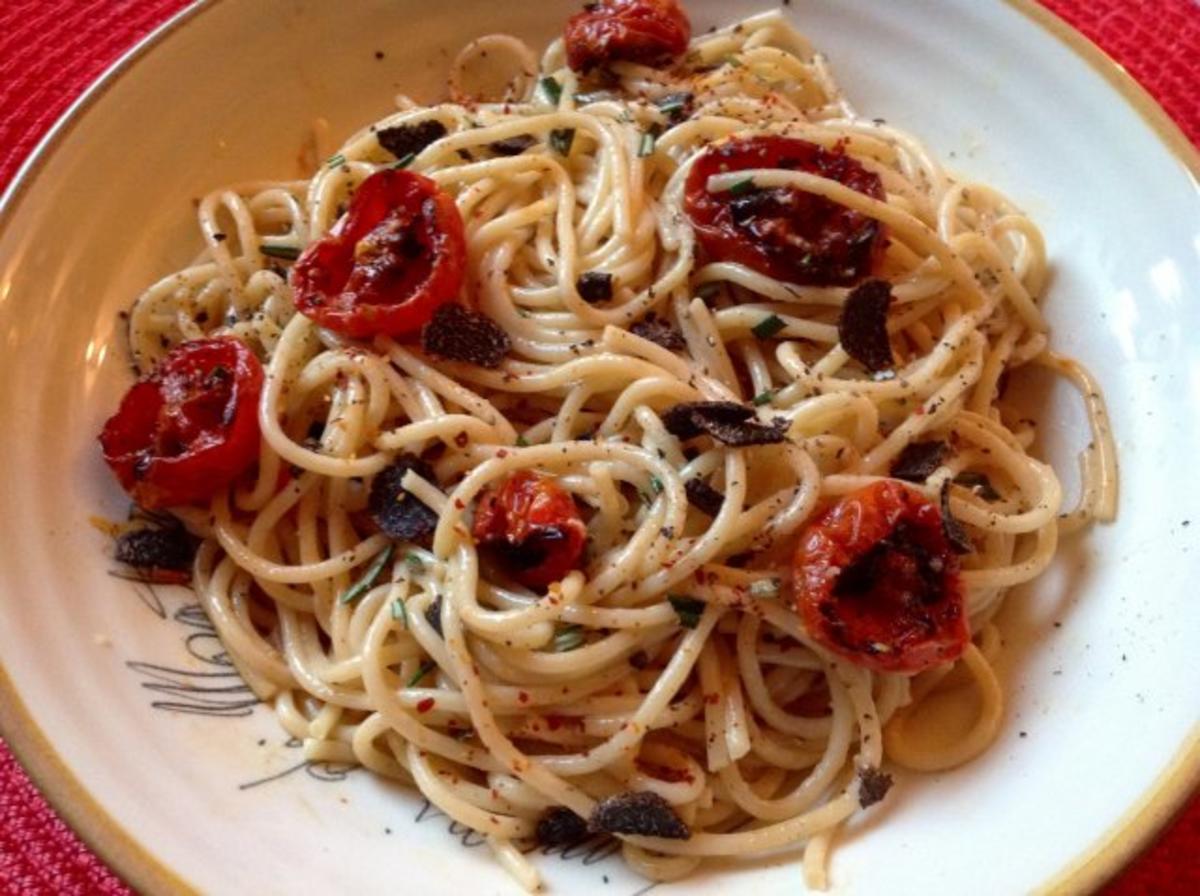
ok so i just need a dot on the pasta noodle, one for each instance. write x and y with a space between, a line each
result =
497 702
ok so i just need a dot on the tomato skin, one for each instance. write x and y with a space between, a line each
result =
650 32
534 525
782 232
189 428
398 253
908 614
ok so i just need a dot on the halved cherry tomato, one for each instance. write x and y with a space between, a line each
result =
533 526
876 581
397 254
652 32
783 232
189 428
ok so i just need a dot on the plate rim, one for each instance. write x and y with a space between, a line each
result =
137 865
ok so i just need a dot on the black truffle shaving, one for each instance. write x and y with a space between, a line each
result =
459 334
918 460
409 139
659 332
512 146
643 813
595 286
726 421
873 785
433 615
397 513
559 826
862 328
149 549
956 534
703 496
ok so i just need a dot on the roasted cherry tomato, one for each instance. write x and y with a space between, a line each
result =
397 254
652 32
876 581
783 232
532 526
190 428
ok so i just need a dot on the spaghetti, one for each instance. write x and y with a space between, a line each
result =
669 659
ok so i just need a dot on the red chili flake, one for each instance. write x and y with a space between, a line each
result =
427 704
712 699
461 439
522 696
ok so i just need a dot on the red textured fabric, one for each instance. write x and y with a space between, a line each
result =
51 50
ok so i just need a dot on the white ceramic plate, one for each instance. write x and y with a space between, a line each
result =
119 699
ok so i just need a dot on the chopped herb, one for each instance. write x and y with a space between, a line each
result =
424 669
567 638
645 813
768 327
400 611
733 61
646 147
561 140
742 187
763 398
522 442
688 609
405 160
595 286
708 290
979 484
676 106
274 250
414 562
552 89
765 589
363 585
335 161
656 485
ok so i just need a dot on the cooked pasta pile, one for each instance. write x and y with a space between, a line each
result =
673 662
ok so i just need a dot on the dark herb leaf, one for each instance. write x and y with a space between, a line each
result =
409 139
644 813
873 786
561 139
273 250
978 483
552 88
460 334
559 826
918 460
367 582
147 549
703 496
595 286
763 398
676 106
424 669
512 146
568 638
659 332
742 187
688 609
862 328
397 513
956 533
726 421
768 327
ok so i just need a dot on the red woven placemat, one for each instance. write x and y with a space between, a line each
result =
50 50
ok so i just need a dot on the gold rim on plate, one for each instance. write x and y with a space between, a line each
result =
140 868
